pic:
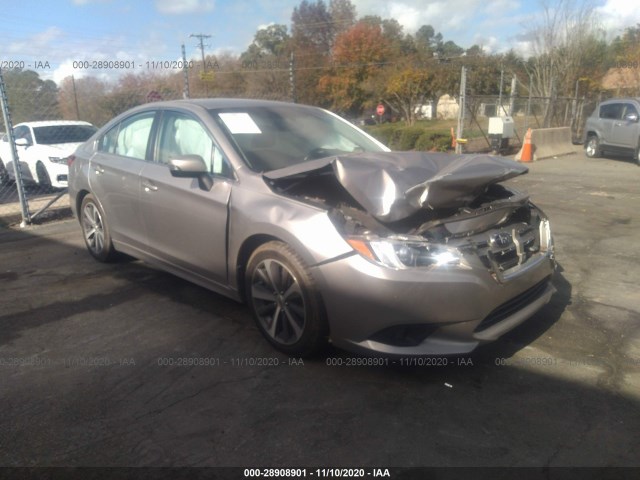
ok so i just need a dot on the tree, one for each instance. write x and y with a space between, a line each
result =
474 51
31 98
450 49
406 87
358 53
427 41
563 43
312 34
84 95
343 15
272 40
312 27
625 48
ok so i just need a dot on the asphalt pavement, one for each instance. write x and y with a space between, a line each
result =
123 365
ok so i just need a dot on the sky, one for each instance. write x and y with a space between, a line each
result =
49 36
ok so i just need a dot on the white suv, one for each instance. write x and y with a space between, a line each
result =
43 148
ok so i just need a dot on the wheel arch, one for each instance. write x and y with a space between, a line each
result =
78 201
250 245
588 135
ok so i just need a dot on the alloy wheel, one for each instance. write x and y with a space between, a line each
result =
592 147
278 301
93 228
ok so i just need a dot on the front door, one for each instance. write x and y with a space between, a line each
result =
625 132
186 224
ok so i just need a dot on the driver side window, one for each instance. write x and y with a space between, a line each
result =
23 132
181 134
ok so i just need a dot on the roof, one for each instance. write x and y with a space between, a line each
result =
52 123
620 99
219 103
621 79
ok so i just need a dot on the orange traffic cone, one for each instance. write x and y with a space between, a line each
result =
526 155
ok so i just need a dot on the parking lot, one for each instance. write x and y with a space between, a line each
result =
123 365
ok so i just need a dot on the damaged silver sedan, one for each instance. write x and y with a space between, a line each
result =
325 233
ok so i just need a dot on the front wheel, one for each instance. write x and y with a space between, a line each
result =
4 174
95 230
44 181
285 301
593 147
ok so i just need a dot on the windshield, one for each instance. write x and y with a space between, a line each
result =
273 137
55 134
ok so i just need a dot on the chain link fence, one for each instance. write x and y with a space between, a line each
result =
534 112
50 120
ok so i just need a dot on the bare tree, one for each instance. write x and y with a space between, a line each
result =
564 41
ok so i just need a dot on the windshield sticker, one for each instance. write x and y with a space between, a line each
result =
239 123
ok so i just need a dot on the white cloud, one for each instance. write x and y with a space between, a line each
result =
616 15
489 44
37 43
64 70
179 7
412 14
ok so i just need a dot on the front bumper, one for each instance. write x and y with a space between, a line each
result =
59 174
427 311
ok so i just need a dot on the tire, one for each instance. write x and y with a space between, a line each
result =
96 231
4 175
592 148
44 181
285 301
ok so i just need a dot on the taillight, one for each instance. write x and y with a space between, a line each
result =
70 160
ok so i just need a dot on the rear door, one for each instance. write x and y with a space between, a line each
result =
114 176
185 223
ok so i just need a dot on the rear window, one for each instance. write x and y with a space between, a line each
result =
55 134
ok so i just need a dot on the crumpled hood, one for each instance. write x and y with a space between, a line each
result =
394 185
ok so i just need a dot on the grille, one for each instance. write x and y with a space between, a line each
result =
514 305
404 335
524 244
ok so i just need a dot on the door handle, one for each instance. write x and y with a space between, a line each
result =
99 170
149 187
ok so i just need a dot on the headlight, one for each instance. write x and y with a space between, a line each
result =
58 159
404 252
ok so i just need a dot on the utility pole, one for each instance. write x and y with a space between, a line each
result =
513 95
75 97
185 72
201 37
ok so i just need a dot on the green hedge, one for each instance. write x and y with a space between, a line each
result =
401 137
440 142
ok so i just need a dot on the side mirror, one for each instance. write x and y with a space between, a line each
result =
187 166
22 142
191 166
631 117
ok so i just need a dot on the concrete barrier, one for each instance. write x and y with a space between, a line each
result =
551 142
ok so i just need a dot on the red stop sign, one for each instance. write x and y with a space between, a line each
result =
380 109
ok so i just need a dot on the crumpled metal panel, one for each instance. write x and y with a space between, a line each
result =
394 185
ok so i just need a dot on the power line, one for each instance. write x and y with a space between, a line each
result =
201 37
